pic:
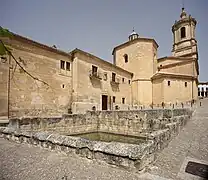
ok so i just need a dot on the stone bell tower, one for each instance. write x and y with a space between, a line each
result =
184 40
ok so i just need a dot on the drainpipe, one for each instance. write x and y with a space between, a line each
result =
192 95
8 89
72 83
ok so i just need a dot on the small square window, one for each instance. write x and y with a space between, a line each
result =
68 66
123 80
185 84
168 83
62 64
123 100
114 99
105 77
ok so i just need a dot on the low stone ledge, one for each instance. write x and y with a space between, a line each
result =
130 156
157 127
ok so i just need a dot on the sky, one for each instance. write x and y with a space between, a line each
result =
97 26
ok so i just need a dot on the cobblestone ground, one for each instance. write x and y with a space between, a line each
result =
190 144
21 161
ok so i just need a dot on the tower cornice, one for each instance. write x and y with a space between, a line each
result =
186 40
178 23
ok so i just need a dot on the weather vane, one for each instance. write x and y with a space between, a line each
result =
182 4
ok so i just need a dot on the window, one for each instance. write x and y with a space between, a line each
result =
105 76
68 66
185 84
63 85
183 32
168 83
94 70
113 77
129 81
114 99
125 58
123 80
62 64
123 100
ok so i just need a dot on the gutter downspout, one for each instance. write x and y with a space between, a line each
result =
192 86
8 89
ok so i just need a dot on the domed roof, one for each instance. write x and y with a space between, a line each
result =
133 36
133 33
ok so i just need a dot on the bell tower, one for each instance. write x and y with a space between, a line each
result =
184 40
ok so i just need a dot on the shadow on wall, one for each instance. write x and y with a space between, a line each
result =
115 87
96 83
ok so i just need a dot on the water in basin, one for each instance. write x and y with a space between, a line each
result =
109 137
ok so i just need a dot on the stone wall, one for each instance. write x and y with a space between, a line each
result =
28 96
140 61
156 127
67 124
128 156
88 89
132 122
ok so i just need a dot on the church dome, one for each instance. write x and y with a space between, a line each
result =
133 35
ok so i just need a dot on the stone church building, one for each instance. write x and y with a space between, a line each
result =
79 81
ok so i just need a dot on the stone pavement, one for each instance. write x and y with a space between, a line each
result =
190 144
21 161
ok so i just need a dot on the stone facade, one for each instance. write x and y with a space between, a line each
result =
141 54
89 86
30 97
79 81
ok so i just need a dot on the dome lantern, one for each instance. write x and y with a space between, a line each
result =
133 36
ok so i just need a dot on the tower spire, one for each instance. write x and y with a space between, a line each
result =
183 7
183 13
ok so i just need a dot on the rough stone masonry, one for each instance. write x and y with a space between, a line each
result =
158 127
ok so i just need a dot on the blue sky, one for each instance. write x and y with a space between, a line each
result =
97 26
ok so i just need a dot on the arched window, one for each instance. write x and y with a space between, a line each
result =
183 32
126 58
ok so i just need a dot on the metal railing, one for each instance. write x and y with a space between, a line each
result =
95 74
115 81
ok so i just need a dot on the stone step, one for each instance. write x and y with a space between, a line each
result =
4 120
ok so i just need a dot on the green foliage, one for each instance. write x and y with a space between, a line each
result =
4 33
2 50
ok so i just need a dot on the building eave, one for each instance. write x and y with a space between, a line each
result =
174 58
176 64
134 41
35 43
159 75
73 53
